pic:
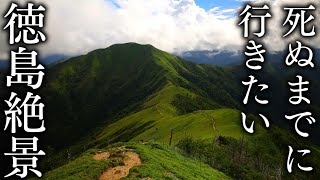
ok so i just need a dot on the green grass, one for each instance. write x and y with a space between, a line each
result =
82 168
88 92
159 117
198 124
158 162
128 93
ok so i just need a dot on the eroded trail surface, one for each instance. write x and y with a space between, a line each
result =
130 159
101 156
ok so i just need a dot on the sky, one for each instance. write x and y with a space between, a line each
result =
75 27
225 4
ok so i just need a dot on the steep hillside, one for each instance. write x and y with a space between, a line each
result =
154 161
144 97
105 85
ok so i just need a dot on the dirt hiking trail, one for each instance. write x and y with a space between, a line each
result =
129 158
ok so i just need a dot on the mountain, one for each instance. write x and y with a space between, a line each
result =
112 83
165 109
48 60
214 57
4 64
226 58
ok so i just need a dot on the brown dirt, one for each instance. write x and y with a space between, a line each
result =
130 160
101 156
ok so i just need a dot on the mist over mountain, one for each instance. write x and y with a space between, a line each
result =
48 60
219 58
225 58
53 59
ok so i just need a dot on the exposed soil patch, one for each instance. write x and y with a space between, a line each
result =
130 159
101 156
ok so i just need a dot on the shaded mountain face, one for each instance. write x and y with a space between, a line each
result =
4 64
90 91
276 74
94 90
130 92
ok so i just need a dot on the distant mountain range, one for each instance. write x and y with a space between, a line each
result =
54 59
214 57
48 60
226 58
219 58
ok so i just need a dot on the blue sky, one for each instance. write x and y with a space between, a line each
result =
224 4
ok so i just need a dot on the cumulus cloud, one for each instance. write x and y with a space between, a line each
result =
274 39
79 26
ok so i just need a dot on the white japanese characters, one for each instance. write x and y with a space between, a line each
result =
29 109
248 15
257 51
299 16
293 56
296 17
298 117
24 69
24 150
291 160
250 83
23 22
24 26
295 100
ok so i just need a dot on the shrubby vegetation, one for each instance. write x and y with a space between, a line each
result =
186 104
237 158
258 158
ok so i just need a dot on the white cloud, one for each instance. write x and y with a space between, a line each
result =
274 39
3 55
246 0
79 26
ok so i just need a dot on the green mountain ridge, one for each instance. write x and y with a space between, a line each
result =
137 93
157 103
132 92
111 83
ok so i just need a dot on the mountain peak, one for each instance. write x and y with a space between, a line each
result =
131 44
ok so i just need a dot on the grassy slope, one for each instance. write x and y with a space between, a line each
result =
90 91
155 114
86 91
159 162
84 167
159 117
